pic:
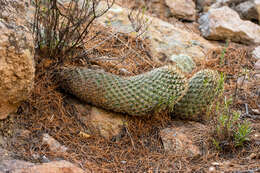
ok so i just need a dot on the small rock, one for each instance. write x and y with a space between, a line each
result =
212 169
224 23
182 9
107 123
256 52
247 10
180 140
256 111
12 165
256 137
53 145
18 166
123 71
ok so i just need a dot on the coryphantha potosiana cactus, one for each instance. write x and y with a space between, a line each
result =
136 95
161 88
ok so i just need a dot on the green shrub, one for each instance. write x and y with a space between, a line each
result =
230 130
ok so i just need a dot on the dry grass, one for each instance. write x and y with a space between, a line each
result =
48 111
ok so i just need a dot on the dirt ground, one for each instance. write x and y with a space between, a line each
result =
139 148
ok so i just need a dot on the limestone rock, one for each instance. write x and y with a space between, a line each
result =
182 9
18 166
180 140
16 55
224 23
256 52
247 10
166 39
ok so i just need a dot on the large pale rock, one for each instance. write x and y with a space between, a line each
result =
224 23
18 166
180 139
166 39
16 54
247 10
182 9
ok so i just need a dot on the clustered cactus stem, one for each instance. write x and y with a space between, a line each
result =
136 95
164 88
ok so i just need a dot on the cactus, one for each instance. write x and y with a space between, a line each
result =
164 87
136 95
202 91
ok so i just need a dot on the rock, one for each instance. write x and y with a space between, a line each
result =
18 166
203 5
53 144
256 52
166 39
247 10
16 55
11 166
182 9
224 23
107 124
256 138
230 3
180 138
257 6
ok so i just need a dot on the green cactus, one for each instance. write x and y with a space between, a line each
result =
164 87
137 95
202 91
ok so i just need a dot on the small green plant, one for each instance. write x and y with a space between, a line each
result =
229 129
222 56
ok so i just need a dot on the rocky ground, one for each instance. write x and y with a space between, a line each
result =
42 129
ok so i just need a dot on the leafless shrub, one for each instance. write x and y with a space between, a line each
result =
61 26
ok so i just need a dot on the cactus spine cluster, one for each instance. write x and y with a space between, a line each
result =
160 88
